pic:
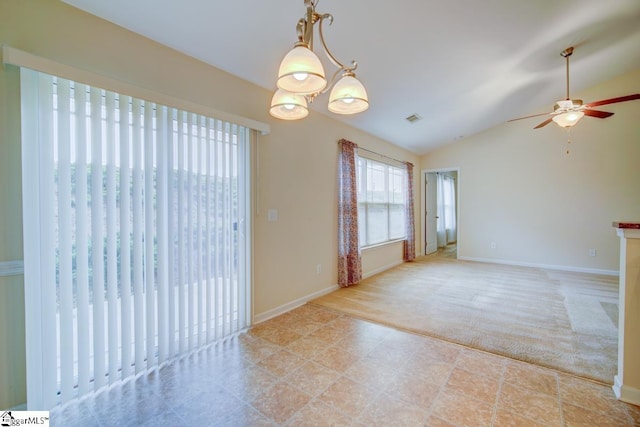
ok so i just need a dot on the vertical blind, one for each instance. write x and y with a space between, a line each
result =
136 235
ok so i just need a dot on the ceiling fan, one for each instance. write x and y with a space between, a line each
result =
568 112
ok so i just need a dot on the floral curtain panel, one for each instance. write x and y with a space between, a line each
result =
409 252
349 259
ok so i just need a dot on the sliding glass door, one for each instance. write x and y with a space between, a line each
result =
136 234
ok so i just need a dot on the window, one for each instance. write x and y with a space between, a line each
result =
136 224
381 202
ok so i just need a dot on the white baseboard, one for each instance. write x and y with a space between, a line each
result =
544 266
11 268
381 269
626 393
259 318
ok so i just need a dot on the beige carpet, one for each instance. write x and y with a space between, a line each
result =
562 320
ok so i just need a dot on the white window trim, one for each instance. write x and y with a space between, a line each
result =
379 245
17 57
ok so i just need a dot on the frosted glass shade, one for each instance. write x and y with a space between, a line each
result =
301 72
288 106
348 96
568 119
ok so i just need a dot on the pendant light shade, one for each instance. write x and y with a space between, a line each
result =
568 119
288 106
348 96
301 77
301 71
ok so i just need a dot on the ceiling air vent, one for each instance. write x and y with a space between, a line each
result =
413 118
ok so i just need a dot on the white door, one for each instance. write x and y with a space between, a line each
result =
431 212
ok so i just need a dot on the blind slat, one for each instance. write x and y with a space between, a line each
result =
182 209
48 269
65 271
112 255
233 230
217 296
208 214
171 235
190 229
97 245
30 137
82 240
226 239
243 208
149 236
161 228
199 226
138 254
125 236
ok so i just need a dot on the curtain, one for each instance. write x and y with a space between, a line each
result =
446 208
442 229
349 260
450 208
136 226
409 249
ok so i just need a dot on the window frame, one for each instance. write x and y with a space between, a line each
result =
73 369
364 206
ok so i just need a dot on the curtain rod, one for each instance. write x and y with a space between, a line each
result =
381 155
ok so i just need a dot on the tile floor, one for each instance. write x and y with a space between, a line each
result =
313 367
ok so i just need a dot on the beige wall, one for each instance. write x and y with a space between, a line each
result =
295 174
518 188
12 369
297 177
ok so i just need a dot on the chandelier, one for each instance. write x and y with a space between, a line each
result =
301 76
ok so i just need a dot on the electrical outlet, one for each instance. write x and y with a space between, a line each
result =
592 252
318 268
493 245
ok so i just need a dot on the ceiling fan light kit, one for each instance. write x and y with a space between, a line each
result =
301 76
568 112
568 119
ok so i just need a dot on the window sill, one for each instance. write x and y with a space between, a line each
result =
379 245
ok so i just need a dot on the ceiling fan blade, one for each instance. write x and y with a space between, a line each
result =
528 117
598 114
614 100
546 122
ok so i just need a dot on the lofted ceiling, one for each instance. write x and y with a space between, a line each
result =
462 65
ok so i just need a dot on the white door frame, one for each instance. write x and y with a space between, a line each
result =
423 206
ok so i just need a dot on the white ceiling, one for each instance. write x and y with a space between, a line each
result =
462 65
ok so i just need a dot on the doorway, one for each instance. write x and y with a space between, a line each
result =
441 212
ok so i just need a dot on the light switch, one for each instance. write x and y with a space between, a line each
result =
272 215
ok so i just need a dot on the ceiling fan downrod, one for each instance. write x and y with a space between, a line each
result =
566 54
